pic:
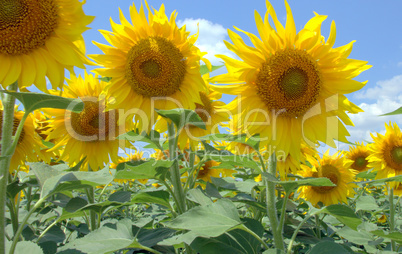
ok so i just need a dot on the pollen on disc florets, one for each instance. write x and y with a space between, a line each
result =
289 81
93 121
330 172
25 25
155 67
393 157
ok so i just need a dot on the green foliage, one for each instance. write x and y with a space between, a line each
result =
33 101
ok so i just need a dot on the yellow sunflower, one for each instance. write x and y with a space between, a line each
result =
29 144
41 38
90 133
290 86
153 64
331 167
207 171
386 152
356 157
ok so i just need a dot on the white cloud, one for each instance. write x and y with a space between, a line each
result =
210 38
386 97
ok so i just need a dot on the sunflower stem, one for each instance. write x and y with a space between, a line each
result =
92 214
175 171
391 215
271 205
5 159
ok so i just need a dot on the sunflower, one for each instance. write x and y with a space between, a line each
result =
356 157
29 144
386 153
207 171
331 167
153 65
90 133
41 38
290 86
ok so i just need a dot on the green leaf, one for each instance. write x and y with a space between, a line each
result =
180 117
289 186
367 174
24 247
358 237
328 247
384 180
103 240
105 79
253 141
344 214
366 203
75 204
55 234
153 138
198 196
396 236
151 169
396 112
208 221
62 181
230 160
120 196
230 183
33 101
204 69
160 197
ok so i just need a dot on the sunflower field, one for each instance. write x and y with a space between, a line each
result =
141 154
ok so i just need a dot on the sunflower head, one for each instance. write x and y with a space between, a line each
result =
331 167
90 133
357 157
386 152
153 64
39 39
288 83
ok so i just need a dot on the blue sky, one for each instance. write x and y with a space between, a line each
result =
375 25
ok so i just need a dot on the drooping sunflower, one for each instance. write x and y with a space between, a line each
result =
92 132
29 144
386 152
153 64
356 157
333 168
290 86
41 38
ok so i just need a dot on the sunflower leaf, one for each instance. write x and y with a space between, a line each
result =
289 186
152 169
152 138
344 214
180 117
33 101
396 112
204 69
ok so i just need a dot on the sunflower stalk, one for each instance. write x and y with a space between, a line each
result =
6 154
391 215
271 206
175 171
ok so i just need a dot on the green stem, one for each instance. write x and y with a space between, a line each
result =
391 215
255 235
24 221
298 229
175 171
5 158
92 214
46 229
271 205
317 224
283 213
